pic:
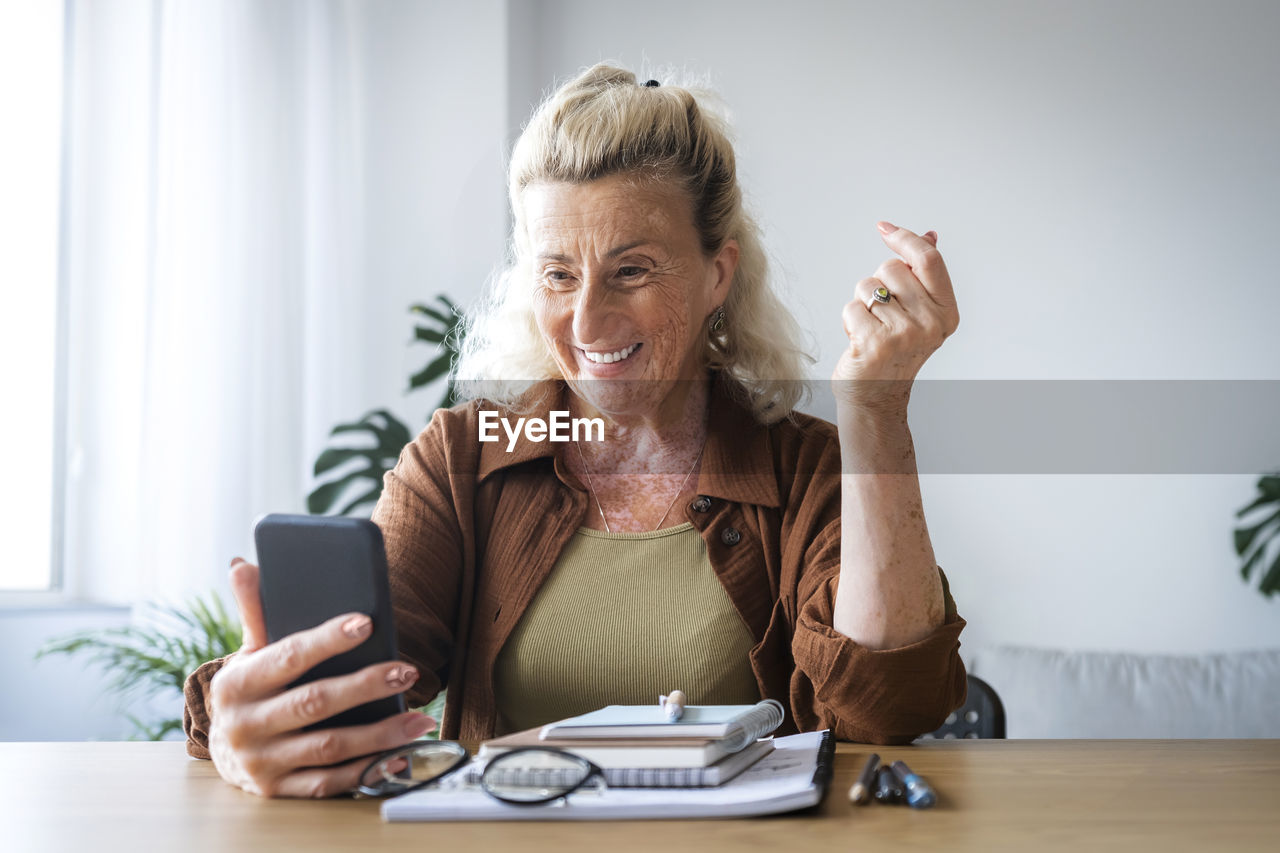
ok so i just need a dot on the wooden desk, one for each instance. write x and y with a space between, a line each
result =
993 795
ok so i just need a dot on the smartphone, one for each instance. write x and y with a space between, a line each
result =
313 568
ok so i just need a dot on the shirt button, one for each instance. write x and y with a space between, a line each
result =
730 536
702 504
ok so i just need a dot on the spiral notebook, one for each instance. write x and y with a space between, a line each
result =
738 725
634 769
794 776
619 752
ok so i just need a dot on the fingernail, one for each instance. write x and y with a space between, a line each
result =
419 725
236 561
357 627
402 676
886 227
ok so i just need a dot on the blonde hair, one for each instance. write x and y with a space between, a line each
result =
600 124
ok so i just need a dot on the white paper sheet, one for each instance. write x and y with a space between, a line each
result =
781 781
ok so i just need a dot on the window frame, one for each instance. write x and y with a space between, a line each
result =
58 592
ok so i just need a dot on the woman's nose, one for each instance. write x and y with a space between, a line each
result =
592 314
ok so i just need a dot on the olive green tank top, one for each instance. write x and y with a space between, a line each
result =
623 618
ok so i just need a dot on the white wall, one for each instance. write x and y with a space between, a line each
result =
435 136
1104 181
58 697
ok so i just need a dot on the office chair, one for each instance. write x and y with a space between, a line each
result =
981 715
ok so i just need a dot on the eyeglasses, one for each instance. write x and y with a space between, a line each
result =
528 776
405 768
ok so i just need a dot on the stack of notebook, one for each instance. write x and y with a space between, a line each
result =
638 748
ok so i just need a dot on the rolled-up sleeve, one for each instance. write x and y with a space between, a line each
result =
883 696
197 707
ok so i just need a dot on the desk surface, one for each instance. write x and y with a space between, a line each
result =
993 795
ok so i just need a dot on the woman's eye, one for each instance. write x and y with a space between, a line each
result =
630 272
557 278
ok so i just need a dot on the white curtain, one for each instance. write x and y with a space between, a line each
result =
215 254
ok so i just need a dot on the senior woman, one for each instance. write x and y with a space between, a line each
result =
714 540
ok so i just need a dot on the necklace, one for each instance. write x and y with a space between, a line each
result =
674 498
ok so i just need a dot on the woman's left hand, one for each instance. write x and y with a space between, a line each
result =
890 341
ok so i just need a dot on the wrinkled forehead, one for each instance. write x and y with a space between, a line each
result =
555 215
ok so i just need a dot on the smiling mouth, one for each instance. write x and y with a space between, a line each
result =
611 357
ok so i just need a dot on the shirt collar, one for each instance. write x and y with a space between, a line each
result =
737 463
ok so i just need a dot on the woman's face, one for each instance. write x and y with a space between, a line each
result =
622 288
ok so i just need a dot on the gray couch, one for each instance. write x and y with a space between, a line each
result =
1051 693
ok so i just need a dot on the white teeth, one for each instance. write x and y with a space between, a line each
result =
610 357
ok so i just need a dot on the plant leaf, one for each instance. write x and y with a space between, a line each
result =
389 437
431 336
154 659
433 371
1244 536
1246 568
434 708
1270 486
326 496
368 497
397 435
1262 500
1271 581
335 457
445 328
373 429
419 308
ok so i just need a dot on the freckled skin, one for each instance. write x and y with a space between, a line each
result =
618 263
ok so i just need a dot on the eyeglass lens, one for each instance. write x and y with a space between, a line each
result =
411 766
534 775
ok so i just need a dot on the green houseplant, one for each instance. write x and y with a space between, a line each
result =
154 658
1253 542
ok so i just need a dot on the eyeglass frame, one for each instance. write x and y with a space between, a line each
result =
463 757
594 771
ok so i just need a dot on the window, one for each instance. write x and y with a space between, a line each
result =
31 88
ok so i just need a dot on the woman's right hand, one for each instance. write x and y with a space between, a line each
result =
255 735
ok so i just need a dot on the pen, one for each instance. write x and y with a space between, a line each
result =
860 793
888 788
672 704
919 794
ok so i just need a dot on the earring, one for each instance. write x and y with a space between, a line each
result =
717 321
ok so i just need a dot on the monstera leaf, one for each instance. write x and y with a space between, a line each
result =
1254 540
387 436
355 471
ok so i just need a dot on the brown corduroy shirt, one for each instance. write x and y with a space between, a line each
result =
472 531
